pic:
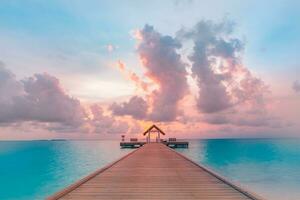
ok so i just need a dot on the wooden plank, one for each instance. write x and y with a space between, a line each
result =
154 171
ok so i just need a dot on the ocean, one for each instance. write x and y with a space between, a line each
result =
37 169
267 167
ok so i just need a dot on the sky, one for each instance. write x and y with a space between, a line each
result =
199 69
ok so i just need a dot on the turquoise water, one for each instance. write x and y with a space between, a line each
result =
36 169
268 167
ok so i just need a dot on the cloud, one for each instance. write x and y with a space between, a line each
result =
296 86
164 67
48 102
132 76
228 93
166 74
208 46
222 79
41 100
135 107
101 123
38 98
261 119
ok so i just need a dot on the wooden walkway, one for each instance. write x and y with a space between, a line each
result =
153 171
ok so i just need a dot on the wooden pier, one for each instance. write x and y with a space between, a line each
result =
153 171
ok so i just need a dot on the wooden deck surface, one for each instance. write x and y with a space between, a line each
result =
153 171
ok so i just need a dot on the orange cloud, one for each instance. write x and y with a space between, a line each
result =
132 76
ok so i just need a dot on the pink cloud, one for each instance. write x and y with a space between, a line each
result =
38 98
41 102
165 70
228 93
136 107
163 66
132 76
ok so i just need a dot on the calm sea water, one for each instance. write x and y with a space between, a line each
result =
36 169
268 167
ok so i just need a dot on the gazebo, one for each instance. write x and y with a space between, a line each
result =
153 129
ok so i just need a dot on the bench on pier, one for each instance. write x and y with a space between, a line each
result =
134 143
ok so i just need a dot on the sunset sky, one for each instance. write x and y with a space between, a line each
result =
200 69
